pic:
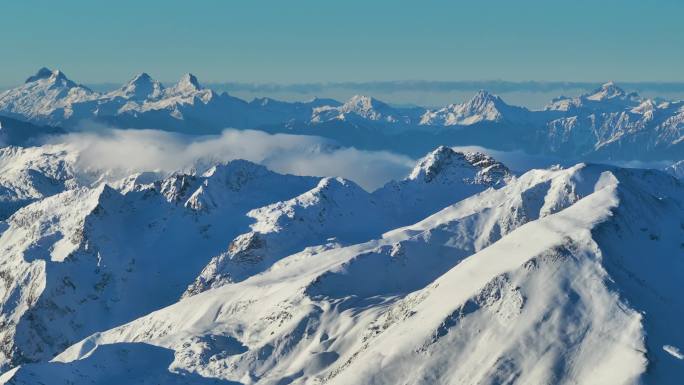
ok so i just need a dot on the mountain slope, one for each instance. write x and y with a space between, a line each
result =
74 261
33 173
338 212
530 283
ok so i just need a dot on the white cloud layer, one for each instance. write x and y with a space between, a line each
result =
127 151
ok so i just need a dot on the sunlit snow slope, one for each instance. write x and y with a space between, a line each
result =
558 276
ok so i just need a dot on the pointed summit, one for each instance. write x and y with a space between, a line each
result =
435 162
607 91
362 105
370 108
485 96
446 162
42 73
52 76
483 106
142 77
141 87
188 81
483 101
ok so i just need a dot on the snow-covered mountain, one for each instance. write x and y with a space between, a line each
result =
48 97
463 272
483 107
612 122
338 212
605 124
364 108
75 262
555 276
33 173
64 233
440 178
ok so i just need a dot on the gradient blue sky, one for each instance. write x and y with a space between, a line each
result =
353 40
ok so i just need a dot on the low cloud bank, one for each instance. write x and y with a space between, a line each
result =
122 152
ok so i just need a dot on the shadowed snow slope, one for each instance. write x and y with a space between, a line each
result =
76 262
338 212
561 276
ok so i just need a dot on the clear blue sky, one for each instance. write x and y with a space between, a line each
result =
352 40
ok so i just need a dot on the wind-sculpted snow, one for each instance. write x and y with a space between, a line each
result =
543 280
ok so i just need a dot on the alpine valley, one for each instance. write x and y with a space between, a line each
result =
465 271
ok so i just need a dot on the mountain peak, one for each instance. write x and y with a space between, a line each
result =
434 162
42 73
608 90
142 86
370 108
46 73
362 102
142 77
189 81
447 161
483 98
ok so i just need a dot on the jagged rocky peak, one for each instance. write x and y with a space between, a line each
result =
142 86
608 90
483 97
485 104
490 169
435 162
445 160
188 82
177 187
362 102
52 76
42 73
367 107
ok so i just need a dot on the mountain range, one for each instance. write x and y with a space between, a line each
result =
606 124
463 272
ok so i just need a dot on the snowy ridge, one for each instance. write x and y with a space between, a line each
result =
557 284
325 215
462 272
74 260
338 212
